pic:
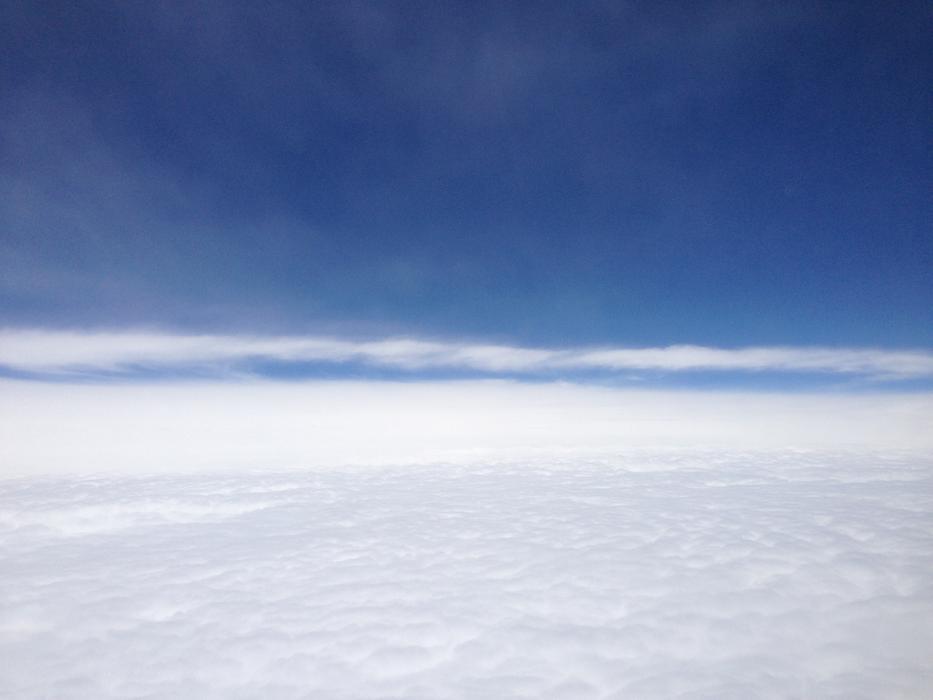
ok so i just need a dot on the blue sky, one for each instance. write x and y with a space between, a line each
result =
528 175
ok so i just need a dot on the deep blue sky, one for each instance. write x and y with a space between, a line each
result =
724 173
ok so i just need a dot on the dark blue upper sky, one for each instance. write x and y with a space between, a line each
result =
728 173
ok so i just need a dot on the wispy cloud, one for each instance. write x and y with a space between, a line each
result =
52 351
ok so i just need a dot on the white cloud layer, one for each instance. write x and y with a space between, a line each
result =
51 427
673 574
68 351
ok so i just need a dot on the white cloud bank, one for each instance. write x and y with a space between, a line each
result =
67 351
676 574
459 540
54 427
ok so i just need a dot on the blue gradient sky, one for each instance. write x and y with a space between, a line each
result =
556 174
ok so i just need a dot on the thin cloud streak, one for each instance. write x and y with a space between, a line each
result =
57 352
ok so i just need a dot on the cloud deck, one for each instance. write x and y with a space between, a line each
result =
651 575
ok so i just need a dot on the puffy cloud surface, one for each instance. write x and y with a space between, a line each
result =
649 574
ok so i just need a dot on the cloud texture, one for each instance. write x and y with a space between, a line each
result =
726 574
